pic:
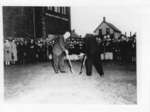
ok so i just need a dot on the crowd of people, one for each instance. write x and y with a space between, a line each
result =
122 49
10 52
25 50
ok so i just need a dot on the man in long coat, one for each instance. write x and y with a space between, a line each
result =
93 50
59 51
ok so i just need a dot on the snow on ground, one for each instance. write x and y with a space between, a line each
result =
39 84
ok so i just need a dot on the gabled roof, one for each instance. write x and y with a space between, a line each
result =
110 25
113 27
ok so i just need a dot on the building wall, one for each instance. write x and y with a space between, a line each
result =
28 22
57 20
17 21
117 35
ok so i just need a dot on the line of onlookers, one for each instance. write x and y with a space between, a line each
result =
23 51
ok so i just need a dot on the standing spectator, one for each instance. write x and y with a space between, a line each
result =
20 51
32 51
124 50
116 50
26 51
130 51
14 52
36 56
7 52
44 51
133 48
39 49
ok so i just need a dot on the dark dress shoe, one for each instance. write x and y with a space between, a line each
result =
102 75
63 71
56 72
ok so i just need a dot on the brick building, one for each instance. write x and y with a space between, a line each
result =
35 22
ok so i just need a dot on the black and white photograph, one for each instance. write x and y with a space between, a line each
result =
70 54
74 56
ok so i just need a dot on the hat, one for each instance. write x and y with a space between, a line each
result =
67 35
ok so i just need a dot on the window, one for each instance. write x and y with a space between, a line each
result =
49 8
107 30
61 10
58 9
55 9
64 10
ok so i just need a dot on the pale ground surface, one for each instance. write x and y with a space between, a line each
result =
37 83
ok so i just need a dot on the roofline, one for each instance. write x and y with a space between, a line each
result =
98 26
114 26
108 25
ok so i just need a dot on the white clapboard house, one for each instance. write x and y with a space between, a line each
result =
106 26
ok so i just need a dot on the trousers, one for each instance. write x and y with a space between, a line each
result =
96 61
58 62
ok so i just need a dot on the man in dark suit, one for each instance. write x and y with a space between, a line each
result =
93 50
59 51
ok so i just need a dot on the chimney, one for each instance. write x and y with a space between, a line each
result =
126 34
104 19
130 34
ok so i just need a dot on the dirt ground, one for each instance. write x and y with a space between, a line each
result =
37 83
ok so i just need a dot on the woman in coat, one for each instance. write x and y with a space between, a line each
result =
7 52
14 51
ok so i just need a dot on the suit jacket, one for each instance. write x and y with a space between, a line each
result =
59 46
92 46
